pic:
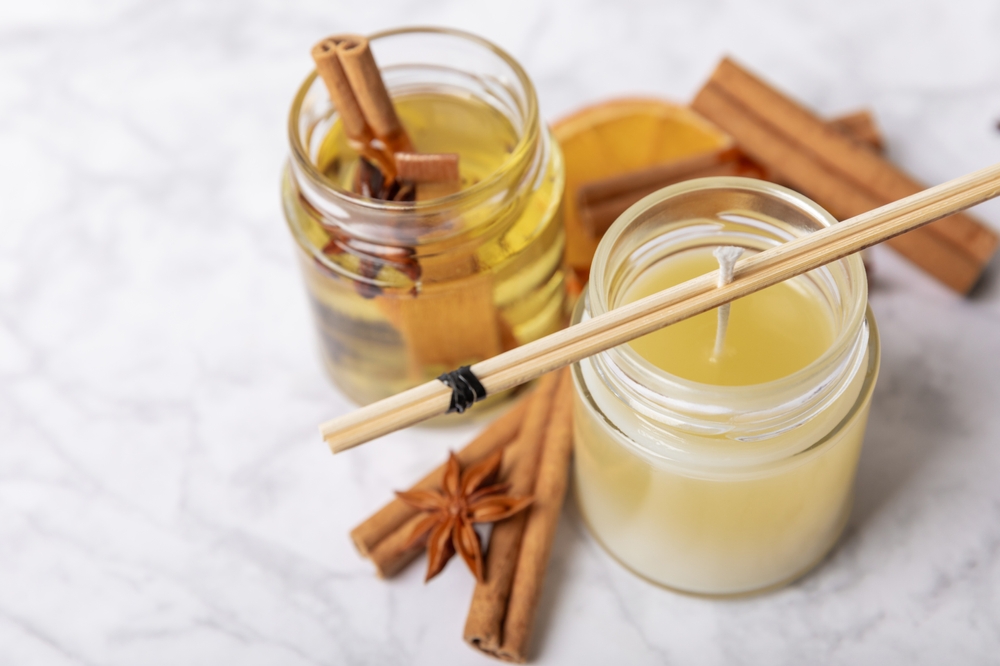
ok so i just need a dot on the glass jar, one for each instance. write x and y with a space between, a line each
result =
721 490
404 291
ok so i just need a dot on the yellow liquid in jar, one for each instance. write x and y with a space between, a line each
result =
771 334
515 257
436 123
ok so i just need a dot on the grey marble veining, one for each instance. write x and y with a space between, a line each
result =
164 497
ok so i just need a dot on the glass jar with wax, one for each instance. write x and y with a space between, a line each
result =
414 273
718 457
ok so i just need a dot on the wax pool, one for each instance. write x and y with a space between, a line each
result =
703 526
771 333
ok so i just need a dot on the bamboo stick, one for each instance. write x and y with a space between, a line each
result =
669 306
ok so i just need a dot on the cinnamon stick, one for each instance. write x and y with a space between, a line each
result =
382 536
860 126
485 622
540 526
427 167
652 176
435 174
453 319
602 201
842 175
363 74
330 70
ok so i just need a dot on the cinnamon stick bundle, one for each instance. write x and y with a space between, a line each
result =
383 537
331 71
842 175
347 67
503 606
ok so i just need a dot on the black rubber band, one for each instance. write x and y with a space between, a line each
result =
466 390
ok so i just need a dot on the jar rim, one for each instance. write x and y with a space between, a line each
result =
522 150
707 465
598 287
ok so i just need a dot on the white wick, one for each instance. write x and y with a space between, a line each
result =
727 256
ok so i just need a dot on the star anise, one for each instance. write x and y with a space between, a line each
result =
465 498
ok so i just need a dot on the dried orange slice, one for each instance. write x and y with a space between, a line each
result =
618 136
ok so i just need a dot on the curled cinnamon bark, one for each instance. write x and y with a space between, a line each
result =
506 600
332 72
359 65
427 167
540 526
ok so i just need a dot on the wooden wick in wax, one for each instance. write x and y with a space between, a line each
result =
727 256
359 65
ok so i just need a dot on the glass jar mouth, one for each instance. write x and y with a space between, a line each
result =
604 266
698 459
524 94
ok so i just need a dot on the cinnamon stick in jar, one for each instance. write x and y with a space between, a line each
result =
427 167
370 178
363 74
332 73
436 175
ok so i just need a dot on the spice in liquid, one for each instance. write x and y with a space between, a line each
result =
510 284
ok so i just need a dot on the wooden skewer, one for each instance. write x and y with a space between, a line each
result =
669 306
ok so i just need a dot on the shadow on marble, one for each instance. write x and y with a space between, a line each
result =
910 419
989 284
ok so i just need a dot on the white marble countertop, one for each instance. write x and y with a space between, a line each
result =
164 496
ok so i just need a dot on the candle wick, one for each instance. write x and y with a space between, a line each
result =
727 256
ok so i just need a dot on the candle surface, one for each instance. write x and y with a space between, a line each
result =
772 333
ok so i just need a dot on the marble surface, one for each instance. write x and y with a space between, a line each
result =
164 497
